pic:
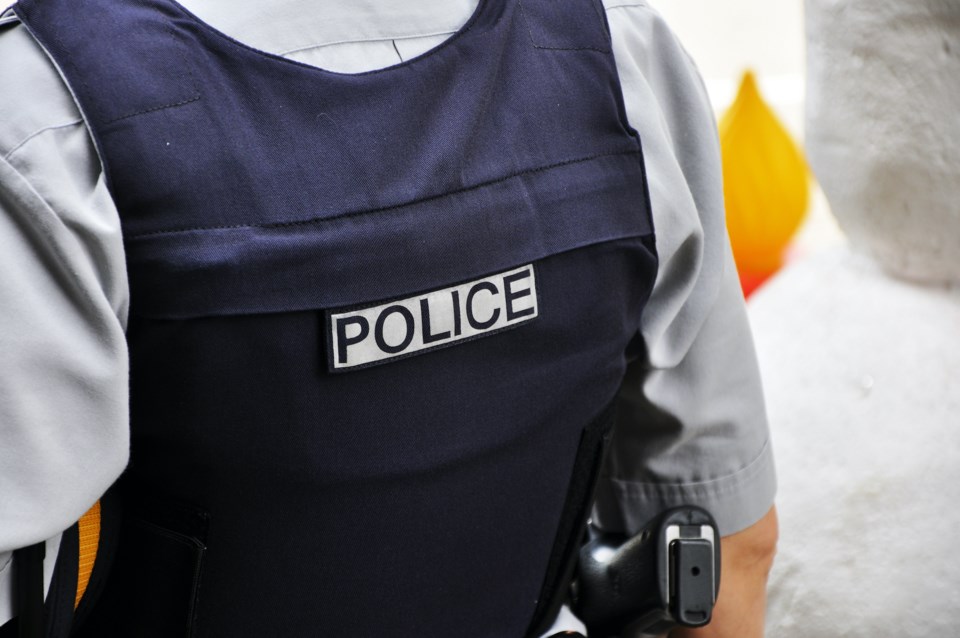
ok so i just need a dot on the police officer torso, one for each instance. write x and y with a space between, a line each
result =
377 322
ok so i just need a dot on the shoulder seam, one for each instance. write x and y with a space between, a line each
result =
625 4
8 17
16 147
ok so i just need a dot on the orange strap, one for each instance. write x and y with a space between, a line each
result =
89 526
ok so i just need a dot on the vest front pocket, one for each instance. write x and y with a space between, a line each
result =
154 585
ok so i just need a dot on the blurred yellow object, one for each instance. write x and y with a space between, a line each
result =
766 184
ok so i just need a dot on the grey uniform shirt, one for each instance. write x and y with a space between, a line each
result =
692 426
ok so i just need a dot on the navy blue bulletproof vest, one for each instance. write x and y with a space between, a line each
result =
378 320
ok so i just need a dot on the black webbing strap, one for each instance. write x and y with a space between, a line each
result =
28 566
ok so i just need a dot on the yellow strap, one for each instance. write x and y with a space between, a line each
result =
89 526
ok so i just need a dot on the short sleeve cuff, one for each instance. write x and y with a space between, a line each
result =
736 501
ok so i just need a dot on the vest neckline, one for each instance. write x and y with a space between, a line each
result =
215 35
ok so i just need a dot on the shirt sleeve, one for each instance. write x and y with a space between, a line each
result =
692 426
63 303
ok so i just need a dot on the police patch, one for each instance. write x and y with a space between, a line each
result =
378 334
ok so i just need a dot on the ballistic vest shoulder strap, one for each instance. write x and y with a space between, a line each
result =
88 532
28 574
81 565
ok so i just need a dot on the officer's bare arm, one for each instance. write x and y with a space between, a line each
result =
746 559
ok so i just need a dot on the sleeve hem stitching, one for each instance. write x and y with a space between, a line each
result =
720 485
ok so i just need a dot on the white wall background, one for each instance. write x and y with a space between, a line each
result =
726 37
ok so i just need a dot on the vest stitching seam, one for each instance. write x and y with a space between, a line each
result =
523 12
385 209
151 110
193 84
